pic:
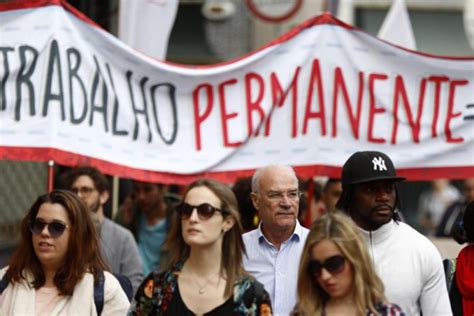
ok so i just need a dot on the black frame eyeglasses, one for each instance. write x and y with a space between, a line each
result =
333 265
55 228
83 191
204 210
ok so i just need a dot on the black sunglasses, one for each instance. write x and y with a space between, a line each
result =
204 210
333 265
55 228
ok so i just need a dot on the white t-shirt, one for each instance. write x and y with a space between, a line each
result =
46 300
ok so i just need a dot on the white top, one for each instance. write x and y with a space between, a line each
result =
276 269
20 298
46 300
411 269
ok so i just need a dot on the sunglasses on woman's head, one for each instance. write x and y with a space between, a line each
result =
55 228
333 265
204 210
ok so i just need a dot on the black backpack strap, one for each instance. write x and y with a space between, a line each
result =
125 284
3 284
455 298
99 293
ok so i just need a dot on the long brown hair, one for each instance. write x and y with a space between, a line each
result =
233 247
83 250
367 286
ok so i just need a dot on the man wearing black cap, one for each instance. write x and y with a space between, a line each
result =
407 262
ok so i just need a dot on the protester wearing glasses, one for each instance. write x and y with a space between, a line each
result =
409 264
336 275
204 274
53 270
274 248
117 244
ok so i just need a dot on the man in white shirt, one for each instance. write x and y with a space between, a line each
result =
408 263
274 248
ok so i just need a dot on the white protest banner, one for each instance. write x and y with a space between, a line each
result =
73 93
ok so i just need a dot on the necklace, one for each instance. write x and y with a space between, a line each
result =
202 287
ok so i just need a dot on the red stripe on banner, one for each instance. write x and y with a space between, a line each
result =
325 18
27 4
71 159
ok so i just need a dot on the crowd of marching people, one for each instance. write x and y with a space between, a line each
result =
202 254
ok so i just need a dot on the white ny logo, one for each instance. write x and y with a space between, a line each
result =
380 163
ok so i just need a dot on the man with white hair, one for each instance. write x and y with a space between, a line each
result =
274 248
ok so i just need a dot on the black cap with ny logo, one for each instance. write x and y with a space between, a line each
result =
366 166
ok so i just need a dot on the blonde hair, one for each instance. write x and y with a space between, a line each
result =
367 287
233 247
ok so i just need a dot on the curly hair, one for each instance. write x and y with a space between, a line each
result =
367 286
83 249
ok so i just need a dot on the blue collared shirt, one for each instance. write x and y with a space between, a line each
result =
276 269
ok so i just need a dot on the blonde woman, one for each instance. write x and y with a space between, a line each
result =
336 275
204 275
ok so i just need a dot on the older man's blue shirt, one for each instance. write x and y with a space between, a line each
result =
276 269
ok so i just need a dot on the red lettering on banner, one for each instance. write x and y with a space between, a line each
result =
199 119
340 86
450 115
254 106
226 116
407 108
373 109
315 76
414 124
438 80
279 97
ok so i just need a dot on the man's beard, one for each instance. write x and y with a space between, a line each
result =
377 223
367 220
385 205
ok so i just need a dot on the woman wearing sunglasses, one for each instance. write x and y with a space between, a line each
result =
204 274
53 270
336 275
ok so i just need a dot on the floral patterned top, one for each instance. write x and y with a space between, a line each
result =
156 291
